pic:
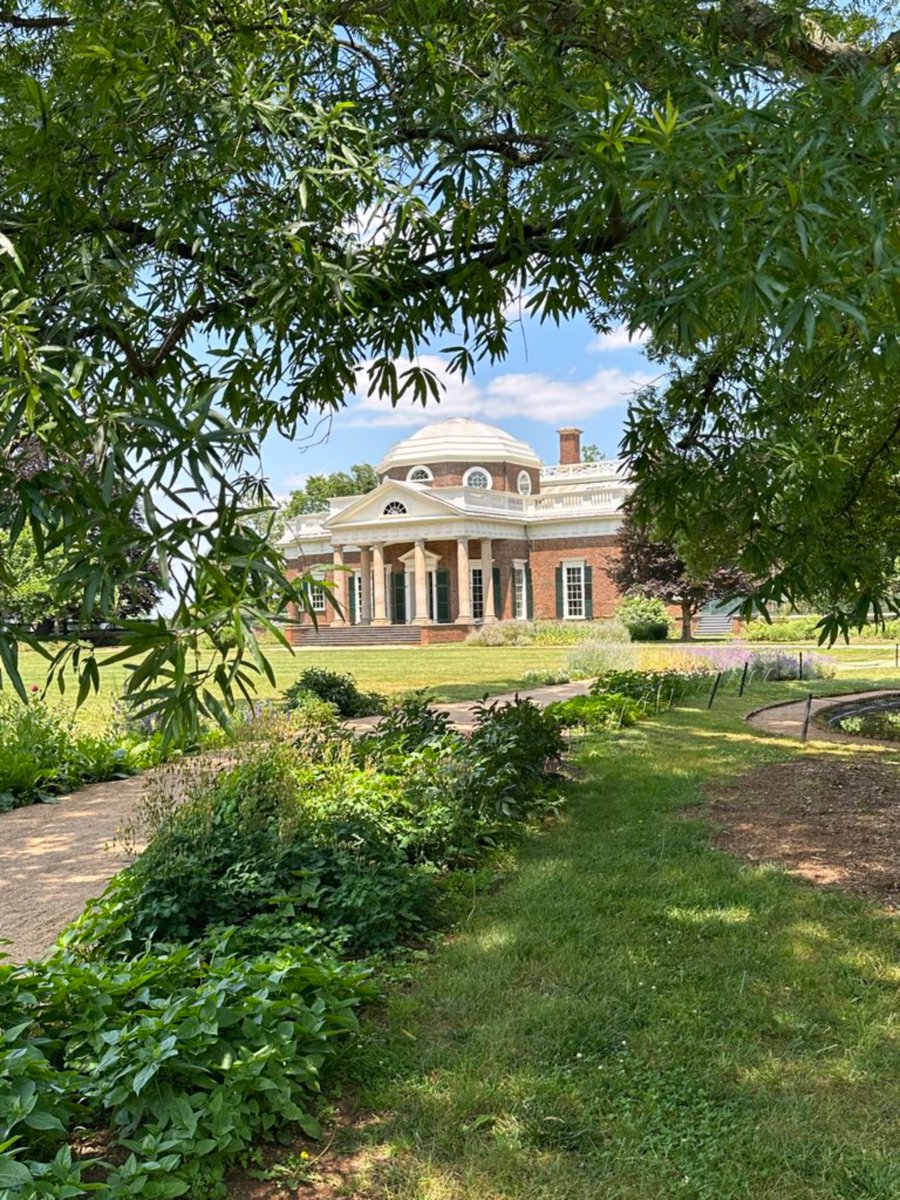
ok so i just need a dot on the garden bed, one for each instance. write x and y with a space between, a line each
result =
836 824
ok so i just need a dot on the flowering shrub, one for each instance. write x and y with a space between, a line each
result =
593 658
548 633
544 678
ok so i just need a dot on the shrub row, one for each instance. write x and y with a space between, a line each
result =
805 629
191 1011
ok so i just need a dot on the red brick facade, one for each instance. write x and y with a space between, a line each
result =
543 557
504 476
598 553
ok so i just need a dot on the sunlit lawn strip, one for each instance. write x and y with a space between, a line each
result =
637 1015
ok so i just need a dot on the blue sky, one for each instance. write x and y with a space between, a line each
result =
554 375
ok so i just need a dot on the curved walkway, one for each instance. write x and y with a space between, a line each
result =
787 719
56 857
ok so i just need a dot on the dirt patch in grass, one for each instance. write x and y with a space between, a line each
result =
332 1169
834 823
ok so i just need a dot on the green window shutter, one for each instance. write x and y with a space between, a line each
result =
498 599
398 585
351 596
559 593
588 593
529 595
442 587
511 591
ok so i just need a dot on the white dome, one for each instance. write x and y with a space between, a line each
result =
459 440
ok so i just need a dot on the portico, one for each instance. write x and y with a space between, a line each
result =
444 581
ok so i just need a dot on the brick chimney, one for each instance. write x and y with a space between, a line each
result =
569 446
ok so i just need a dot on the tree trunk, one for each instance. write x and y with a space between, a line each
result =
687 614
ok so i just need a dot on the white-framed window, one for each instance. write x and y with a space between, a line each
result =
573 591
394 508
524 483
478 477
476 593
420 475
317 598
520 593
356 585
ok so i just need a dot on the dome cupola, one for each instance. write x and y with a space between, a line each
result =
458 440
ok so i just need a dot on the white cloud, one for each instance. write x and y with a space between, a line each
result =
530 395
293 480
619 339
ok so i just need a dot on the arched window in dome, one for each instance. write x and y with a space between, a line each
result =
477 477
394 508
420 475
523 483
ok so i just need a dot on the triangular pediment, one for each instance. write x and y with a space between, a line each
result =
417 502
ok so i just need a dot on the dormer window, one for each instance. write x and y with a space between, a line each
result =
420 475
477 477
524 483
394 509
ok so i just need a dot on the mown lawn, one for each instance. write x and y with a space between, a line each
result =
457 672
633 1014
454 672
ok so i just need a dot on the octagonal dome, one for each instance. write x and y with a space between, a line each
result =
459 440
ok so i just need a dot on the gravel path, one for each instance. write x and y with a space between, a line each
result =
56 857
787 719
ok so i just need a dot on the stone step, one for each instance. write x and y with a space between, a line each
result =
713 625
356 635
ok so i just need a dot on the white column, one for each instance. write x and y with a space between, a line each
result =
463 583
421 617
487 580
365 570
380 617
340 588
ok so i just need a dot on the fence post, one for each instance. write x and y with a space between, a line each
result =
658 696
800 666
897 654
715 688
804 734
744 677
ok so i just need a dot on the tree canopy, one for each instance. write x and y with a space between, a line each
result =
648 567
317 491
213 217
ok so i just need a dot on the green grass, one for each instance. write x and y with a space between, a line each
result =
455 672
636 1015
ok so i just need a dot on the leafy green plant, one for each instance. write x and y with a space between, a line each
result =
662 687
607 711
410 722
188 1057
337 689
42 755
645 617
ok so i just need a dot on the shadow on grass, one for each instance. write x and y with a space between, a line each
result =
637 1015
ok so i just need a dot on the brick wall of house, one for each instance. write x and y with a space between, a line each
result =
504 476
546 556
